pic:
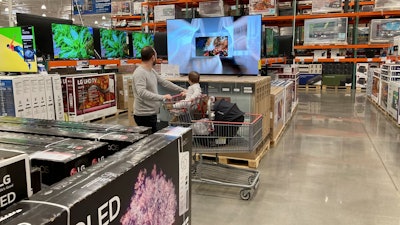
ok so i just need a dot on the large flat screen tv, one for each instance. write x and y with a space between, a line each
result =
17 49
218 45
72 42
141 40
42 31
114 44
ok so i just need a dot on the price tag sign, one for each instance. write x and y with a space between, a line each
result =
83 63
369 60
336 59
123 62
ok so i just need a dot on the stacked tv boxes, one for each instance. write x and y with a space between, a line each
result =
88 96
110 191
31 96
385 89
283 103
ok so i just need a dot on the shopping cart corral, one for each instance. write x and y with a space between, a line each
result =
241 133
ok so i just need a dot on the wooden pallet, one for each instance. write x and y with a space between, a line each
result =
384 112
113 115
278 137
238 159
360 89
308 87
335 88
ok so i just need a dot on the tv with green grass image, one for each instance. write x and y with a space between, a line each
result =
141 40
17 49
113 44
72 42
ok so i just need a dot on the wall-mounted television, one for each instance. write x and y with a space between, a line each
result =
217 45
139 41
114 44
72 42
42 31
17 49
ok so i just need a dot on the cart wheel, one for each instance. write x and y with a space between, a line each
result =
245 194
251 179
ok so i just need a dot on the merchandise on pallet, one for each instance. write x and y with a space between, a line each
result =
89 97
164 12
277 111
384 30
325 31
211 8
15 174
387 5
265 8
376 87
383 94
154 172
122 90
326 6
89 127
393 99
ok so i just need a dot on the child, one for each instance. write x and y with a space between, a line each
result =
193 92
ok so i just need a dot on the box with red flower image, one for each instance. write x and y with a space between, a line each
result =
146 183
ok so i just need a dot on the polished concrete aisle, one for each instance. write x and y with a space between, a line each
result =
337 163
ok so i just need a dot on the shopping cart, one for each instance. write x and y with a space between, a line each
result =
214 137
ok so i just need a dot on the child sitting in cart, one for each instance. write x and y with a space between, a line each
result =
193 92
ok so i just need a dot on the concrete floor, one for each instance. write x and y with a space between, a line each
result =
337 163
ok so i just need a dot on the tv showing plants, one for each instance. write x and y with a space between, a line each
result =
215 45
72 42
17 49
141 40
114 44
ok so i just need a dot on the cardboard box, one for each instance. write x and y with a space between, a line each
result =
12 96
28 111
376 88
325 31
361 74
211 8
383 94
393 99
154 172
384 30
164 12
50 109
310 79
58 97
38 94
277 111
91 96
326 6
265 8
15 183
90 127
387 4
116 141
122 90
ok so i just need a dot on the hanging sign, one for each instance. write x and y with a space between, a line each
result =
91 6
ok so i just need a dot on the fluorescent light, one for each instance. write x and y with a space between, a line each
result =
43 6
6 9
95 22
103 17
44 15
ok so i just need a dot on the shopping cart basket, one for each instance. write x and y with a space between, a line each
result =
214 137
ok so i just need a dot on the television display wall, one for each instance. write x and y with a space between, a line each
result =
141 40
72 42
218 45
114 44
17 49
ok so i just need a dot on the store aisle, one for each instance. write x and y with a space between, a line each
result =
337 163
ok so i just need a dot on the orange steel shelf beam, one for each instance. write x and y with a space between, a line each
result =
306 47
348 60
129 28
94 62
270 61
126 17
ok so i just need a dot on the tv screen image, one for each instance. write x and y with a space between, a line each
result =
114 44
17 49
141 40
217 45
212 46
72 42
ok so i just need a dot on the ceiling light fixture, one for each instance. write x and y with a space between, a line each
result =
95 22
103 17
44 15
43 7
6 9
